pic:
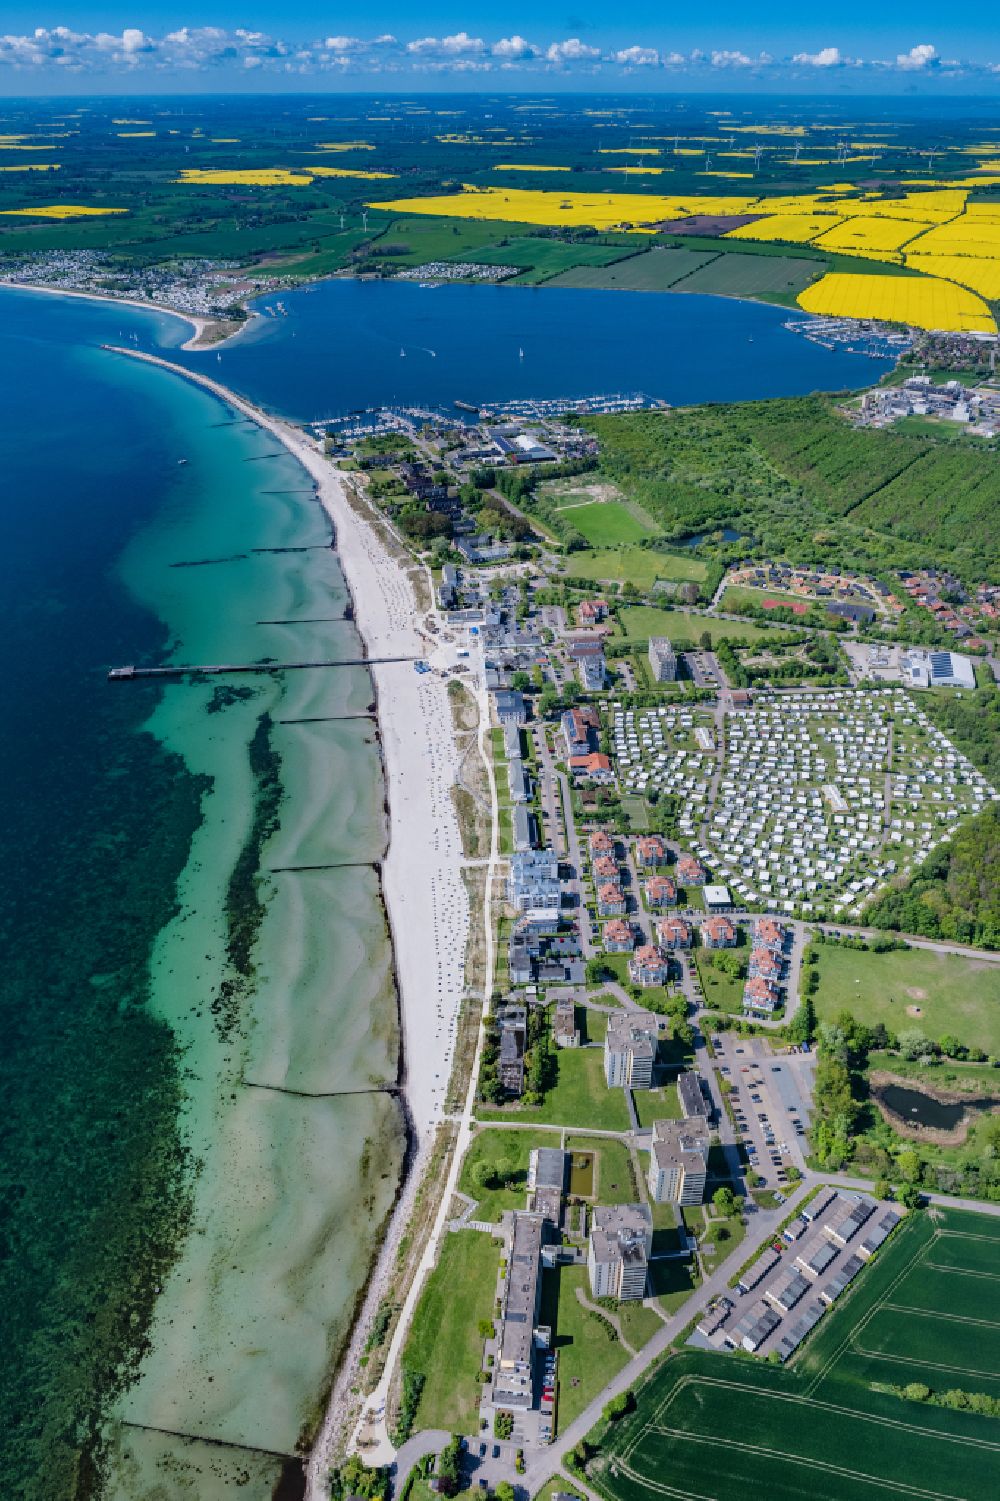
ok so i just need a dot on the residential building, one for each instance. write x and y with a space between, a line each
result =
691 1095
524 829
630 1045
673 933
760 997
579 728
510 706
587 652
513 1024
534 880
605 868
678 1161
719 933
600 843
565 1031
610 900
594 768
591 611
618 937
648 966
768 934
690 872
513 1372
511 741
660 892
662 660
518 780
621 1238
447 592
650 851
765 965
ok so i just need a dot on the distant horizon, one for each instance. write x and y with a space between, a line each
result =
443 89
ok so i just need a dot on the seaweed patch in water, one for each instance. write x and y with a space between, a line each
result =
244 904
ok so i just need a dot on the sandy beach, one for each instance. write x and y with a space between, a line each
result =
424 892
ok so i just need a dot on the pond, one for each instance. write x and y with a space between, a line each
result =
726 534
581 1174
923 1110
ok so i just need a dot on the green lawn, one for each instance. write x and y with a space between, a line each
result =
642 565
588 1356
639 622
657 1104
722 992
638 1322
673 1282
615 1180
913 990
544 259
824 1426
491 1145
580 1097
724 1235
605 523
444 1341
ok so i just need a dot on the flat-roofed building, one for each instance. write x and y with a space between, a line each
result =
718 899
758 1270
513 1374
678 1161
621 1238
817 1207
630 1045
845 1227
662 660
565 1031
691 1095
788 1291
819 1259
842 1277
754 1328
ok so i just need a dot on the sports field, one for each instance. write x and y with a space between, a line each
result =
711 1428
605 523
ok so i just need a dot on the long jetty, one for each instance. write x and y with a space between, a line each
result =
131 673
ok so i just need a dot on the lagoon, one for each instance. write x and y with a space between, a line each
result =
349 343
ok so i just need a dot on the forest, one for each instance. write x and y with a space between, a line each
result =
808 486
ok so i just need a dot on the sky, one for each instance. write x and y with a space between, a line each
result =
262 45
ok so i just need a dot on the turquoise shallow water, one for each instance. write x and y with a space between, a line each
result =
177 1022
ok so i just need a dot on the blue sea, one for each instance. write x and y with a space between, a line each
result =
176 1023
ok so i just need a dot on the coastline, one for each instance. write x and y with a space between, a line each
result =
425 897
196 343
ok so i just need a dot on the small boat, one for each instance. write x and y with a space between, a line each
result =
520 354
402 354
182 461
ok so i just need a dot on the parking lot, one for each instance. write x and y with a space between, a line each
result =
771 1097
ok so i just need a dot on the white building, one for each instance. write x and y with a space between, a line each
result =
621 1238
534 881
630 1045
662 659
678 1161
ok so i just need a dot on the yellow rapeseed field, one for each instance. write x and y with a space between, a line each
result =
62 211
921 301
634 151
134 135
345 146
345 172
982 276
970 234
867 233
532 167
799 229
34 167
262 177
536 206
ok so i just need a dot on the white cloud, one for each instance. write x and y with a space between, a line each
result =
341 43
513 48
919 57
826 57
572 51
638 57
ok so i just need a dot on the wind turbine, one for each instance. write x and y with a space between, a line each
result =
364 220
798 151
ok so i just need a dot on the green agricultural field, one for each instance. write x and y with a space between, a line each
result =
639 622
829 1426
641 565
444 1342
913 990
654 270
544 259
606 523
769 277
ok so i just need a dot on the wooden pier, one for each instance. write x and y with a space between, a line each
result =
131 673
